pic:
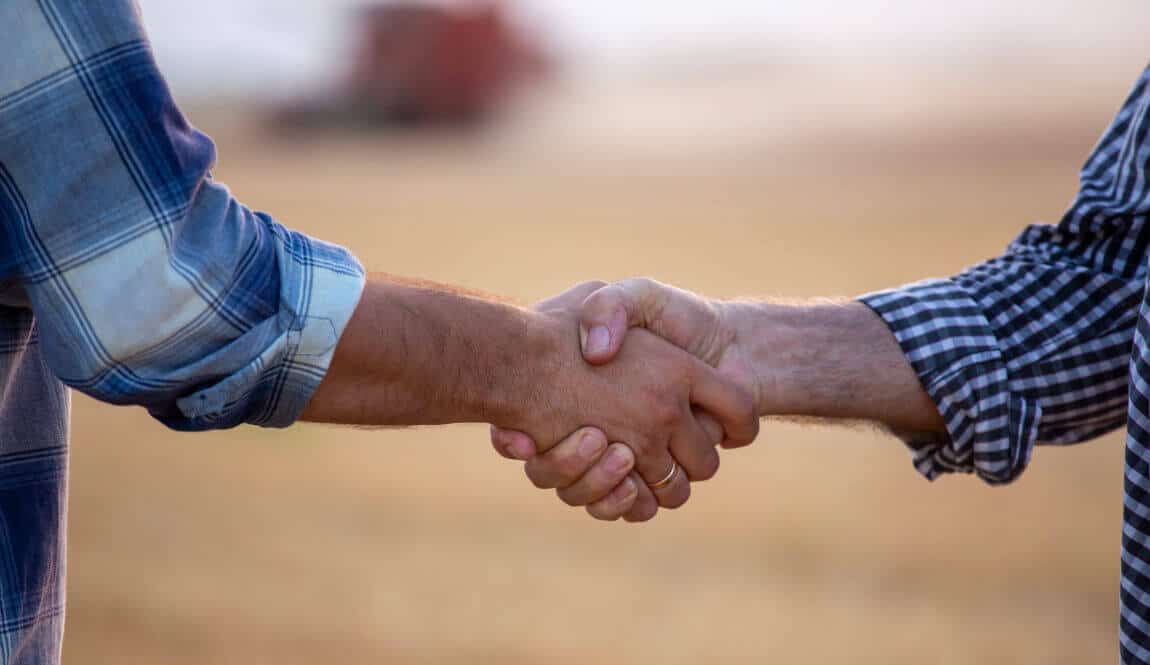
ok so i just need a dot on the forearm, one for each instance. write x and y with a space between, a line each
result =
416 353
830 360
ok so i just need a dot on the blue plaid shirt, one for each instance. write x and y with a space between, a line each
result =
128 273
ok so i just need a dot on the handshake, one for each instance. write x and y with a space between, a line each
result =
642 413
618 395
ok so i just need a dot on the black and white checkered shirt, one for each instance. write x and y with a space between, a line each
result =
1050 343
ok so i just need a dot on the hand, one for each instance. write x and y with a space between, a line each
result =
584 475
702 327
585 471
644 398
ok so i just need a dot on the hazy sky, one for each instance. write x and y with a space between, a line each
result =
282 45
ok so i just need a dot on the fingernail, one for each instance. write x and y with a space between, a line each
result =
625 490
617 460
519 449
589 445
598 339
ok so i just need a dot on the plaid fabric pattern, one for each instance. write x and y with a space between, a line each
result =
1049 343
128 273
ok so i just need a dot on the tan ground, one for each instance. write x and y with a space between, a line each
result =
816 545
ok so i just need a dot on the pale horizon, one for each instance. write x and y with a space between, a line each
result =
225 48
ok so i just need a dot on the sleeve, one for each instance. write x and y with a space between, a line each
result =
151 284
1035 345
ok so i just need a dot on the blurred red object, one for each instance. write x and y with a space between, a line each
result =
420 65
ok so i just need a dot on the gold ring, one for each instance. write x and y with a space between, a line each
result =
667 479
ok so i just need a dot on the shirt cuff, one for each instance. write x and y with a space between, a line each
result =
320 286
955 352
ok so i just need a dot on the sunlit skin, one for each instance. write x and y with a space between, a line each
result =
417 353
824 360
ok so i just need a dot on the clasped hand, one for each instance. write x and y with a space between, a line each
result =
647 414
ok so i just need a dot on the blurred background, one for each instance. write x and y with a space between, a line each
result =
733 147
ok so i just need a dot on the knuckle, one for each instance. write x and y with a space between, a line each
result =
707 467
714 462
569 468
613 506
749 423
601 298
594 486
644 508
590 287
735 443
650 292
603 512
642 513
499 441
648 285
569 497
595 284
677 498
641 282
752 434
536 474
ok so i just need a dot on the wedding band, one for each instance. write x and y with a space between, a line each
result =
666 480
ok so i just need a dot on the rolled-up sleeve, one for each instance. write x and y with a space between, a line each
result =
1034 346
150 282
1012 352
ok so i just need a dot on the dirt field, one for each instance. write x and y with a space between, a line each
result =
815 545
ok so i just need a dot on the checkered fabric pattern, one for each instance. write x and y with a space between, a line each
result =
128 273
1048 343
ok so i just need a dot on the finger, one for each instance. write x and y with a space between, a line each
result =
684 319
645 506
655 467
611 470
604 319
512 444
695 452
572 297
711 428
566 463
618 501
676 493
731 406
714 431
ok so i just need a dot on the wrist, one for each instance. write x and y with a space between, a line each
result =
789 350
830 360
524 376
759 339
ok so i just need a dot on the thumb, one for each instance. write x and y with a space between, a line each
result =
513 444
603 323
680 317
